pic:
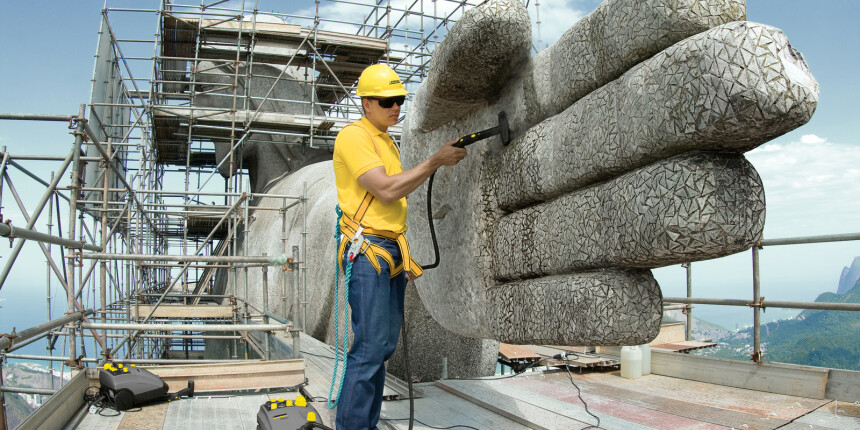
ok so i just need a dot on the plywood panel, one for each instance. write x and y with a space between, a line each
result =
232 376
185 311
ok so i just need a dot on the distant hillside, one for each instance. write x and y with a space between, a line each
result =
850 276
20 406
815 338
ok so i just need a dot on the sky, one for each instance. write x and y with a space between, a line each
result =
811 175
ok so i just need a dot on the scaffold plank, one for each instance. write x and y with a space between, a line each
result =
185 311
150 417
283 31
684 346
246 375
517 352
269 120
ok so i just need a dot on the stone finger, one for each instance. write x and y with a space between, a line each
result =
692 207
602 307
731 88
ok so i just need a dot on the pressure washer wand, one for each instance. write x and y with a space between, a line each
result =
501 129
504 133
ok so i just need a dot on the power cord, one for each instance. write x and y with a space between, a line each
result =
801 416
408 372
563 356
95 397
578 391
532 364
435 262
455 426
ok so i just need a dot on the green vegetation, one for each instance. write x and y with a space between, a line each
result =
815 338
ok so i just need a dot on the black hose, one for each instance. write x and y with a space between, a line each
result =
435 263
405 329
408 373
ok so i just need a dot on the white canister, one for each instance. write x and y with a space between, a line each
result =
631 362
646 359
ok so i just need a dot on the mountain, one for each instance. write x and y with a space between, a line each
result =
849 277
20 406
813 338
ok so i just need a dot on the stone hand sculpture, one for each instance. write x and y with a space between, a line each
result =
628 135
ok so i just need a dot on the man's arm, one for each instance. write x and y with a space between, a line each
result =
389 189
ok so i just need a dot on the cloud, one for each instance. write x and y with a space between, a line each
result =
811 186
811 139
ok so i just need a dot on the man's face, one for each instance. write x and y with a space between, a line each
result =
382 112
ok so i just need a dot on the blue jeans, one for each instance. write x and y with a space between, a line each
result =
376 303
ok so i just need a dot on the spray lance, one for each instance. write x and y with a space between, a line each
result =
503 131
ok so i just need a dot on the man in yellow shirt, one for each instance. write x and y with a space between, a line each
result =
371 191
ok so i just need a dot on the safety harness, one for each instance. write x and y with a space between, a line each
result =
352 234
350 231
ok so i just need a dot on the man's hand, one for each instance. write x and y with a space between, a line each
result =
449 155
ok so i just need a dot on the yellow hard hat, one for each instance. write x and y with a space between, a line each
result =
379 80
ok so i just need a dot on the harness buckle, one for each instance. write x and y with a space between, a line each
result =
355 245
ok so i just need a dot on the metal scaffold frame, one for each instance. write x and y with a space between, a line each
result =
132 206
135 221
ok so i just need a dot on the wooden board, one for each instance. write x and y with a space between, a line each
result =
293 32
148 417
517 352
670 332
247 375
532 410
216 377
184 311
442 409
684 346
789 379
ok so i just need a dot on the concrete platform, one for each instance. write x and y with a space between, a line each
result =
539 399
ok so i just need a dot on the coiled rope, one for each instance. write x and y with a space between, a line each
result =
346 278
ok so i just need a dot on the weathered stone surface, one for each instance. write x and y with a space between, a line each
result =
728 89
688 208
601 307
600 175
470 67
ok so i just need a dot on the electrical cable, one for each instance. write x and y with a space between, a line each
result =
532 364
579 394
321 356
563 356
408 373
432 427
801 416
101 401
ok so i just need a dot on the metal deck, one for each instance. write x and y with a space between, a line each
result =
544 399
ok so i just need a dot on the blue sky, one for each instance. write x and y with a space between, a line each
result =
811 175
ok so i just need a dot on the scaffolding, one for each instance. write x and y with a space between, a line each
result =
144 222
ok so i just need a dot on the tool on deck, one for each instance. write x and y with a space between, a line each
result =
501 129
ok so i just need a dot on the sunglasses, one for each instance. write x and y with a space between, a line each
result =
390 101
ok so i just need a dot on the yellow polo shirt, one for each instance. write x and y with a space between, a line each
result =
360 147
